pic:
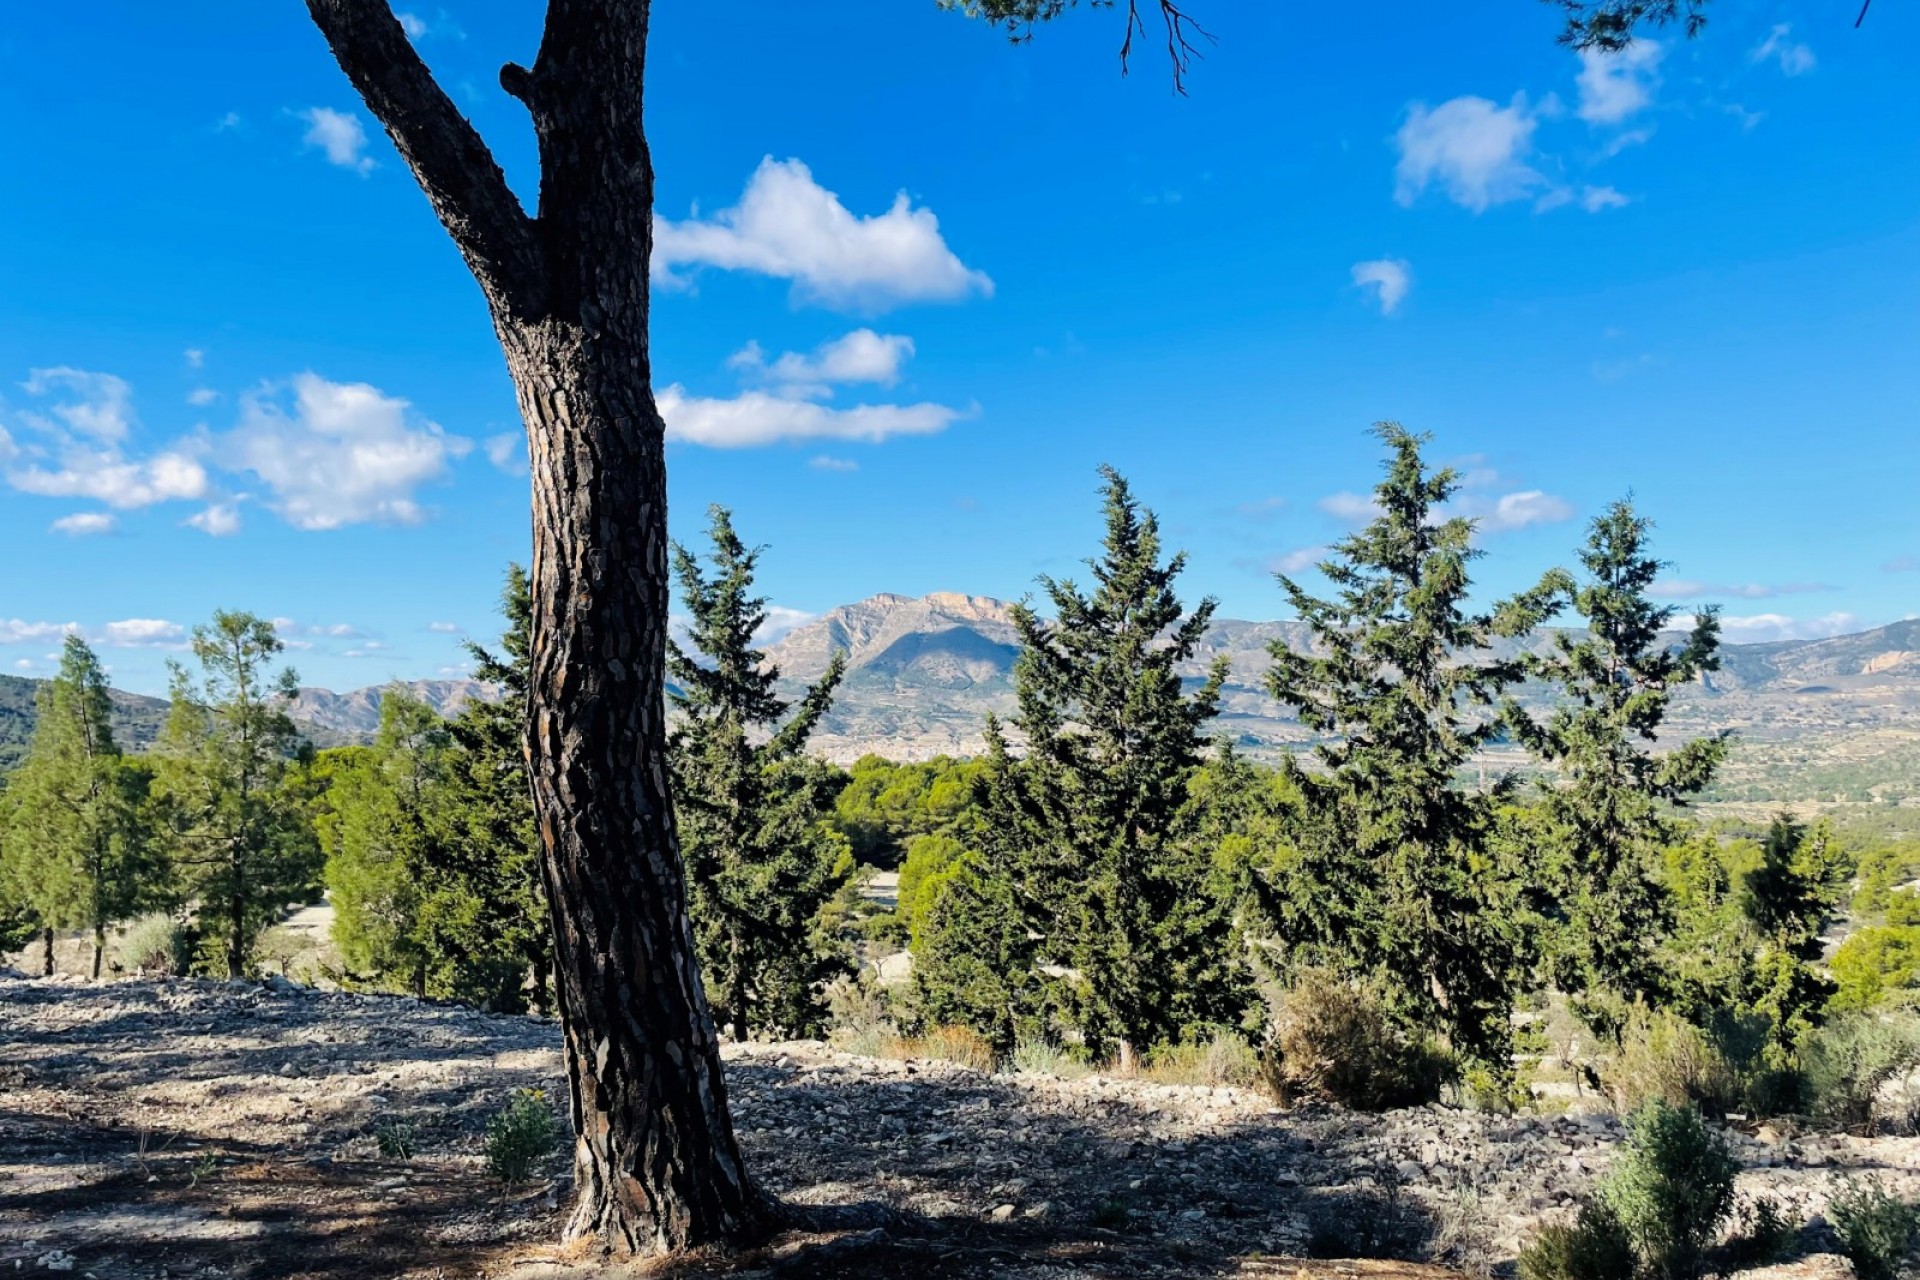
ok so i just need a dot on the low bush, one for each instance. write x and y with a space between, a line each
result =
1594 1246
1368 1224
1672 1188
1762 1234
1045 1058
520 1135
1876 1229
962 1046
395 1141
860 1018
1331 1039
1852 1061
156 946
1227 1059
1664 1057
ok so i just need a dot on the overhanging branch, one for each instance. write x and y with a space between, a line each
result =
448 157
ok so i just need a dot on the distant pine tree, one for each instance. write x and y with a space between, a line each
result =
753 810
1391 875
1092 898
1609 814
230 783
74 848
1789 898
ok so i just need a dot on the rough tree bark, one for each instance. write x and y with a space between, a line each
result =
657 1166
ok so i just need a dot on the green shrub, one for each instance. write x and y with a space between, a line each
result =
1672 1188
1876 965
1664 1057
1592 1247
1876 1229
860 1018
156 946
520 1135
1045 1058
1332 1039
1224 1060
1851 1060
395 1141
1762 1234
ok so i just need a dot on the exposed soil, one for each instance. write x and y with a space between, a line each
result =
169 1129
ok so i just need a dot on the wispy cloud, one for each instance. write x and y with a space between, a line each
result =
340 136
1473 149
83 524
827 462
1389 278
1793 57
757 418
1761 628
1692 589
1615 86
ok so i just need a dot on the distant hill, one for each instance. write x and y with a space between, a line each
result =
1835 719
137 719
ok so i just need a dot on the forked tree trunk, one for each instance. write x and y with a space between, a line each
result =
657 1168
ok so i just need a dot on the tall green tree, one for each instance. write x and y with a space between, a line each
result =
1391 875
1790 896
76 849
1089 842
230 780
1609 812
753 809
389 810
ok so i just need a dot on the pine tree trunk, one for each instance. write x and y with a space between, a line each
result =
99 947
656 1165
236 938
46 952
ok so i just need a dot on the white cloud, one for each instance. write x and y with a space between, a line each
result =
757 417
781 620
15 631
507 451
76 450
445 628
414 25
195 357
221 520
1692 589
82 524
826 462
1299 560
1793 57
1354 508
1596 199
100 406
23 664
1472 148
1614 86
1390 278
860 356
201 397
1519 510
340 135
1761 628
143 633
787 226
345 453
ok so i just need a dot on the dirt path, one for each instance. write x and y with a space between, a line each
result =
172 1129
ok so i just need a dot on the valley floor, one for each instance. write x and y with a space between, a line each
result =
168 1129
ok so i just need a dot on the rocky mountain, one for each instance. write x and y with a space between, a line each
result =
922 672
355 716
137 720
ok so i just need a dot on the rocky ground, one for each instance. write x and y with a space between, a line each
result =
168 1129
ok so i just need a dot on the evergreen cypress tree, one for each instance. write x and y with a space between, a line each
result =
230 781
76 850
753 809
1093 897
1392 876
1610 813
1789 897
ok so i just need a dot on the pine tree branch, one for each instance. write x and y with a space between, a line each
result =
459 175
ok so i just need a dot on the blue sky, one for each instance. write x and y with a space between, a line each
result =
915 284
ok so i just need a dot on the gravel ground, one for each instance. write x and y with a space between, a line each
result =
166 1129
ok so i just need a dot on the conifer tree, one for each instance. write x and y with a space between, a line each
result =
75 847
1789 897
753 809
1090 864
1392 876
230 782
1609 812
